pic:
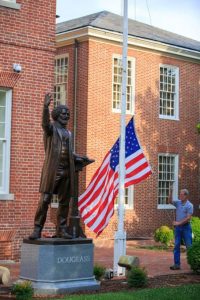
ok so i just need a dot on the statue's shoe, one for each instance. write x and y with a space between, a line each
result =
35 235
64 235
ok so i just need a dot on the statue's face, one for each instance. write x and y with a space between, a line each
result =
64 116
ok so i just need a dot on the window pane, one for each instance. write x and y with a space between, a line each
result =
61 80
2 99
126 200
2 114
168 76
166 176
2 130
1 163
117 79
1 179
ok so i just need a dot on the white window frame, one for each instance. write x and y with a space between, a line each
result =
175 184
176 101
64 84
132 101
4 190
10 4
130 204
54 201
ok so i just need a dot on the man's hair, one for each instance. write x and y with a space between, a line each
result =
185 191
57 111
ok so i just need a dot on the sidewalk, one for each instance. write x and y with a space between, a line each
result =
156 262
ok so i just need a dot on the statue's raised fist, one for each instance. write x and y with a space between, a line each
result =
47 99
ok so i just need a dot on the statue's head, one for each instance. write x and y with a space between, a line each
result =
61 114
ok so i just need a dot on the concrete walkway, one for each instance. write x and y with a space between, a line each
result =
156 262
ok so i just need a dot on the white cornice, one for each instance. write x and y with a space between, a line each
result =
8 4
142 43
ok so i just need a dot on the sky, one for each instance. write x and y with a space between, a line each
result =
178 16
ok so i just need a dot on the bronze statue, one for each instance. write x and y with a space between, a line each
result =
58 173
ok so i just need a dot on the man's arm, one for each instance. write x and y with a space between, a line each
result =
182 222
187 219
46 124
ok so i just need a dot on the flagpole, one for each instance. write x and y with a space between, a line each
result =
120 235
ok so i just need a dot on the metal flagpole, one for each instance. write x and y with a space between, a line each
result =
120 235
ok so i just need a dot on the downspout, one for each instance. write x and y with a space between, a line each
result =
75 92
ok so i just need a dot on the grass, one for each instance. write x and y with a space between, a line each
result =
188 292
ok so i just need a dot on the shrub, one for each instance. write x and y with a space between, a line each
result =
137 277
164 235
195 222
99 271
193 257
198 128
23 290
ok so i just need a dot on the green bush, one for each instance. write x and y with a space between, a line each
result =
23 290
198 128
195 222
137 277
99 271
193 257
164 235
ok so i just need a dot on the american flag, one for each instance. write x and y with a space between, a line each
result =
96 204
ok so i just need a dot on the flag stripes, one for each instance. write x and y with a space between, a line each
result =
96 204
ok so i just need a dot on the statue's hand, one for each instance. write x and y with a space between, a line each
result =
48 99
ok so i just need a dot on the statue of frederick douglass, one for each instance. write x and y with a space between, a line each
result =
58 170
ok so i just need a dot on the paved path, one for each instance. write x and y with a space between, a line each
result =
156 262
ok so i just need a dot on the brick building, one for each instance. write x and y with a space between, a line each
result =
27 38
162 94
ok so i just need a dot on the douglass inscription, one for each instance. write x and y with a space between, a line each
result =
73 259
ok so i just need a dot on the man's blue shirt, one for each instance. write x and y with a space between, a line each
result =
182 210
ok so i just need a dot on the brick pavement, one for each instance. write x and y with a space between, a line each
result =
156 262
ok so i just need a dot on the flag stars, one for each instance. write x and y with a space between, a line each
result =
131 146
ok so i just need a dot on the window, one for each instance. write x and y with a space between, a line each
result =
54 201
117 85
60 92
5 133
167 176
61 80
128 201
169 85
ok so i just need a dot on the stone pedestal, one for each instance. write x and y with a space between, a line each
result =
57 266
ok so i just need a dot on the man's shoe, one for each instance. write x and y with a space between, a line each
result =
175 267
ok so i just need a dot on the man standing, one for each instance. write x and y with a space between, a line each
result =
183 230
58 169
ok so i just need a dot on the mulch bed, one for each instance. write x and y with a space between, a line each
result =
119 285
173 280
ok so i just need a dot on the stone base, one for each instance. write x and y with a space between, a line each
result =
61 288
57 266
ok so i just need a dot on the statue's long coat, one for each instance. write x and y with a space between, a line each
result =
53 144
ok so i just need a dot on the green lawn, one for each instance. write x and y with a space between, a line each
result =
188 292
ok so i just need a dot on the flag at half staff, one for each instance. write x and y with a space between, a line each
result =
96 204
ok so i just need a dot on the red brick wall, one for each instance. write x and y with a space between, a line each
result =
98 126
27 37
